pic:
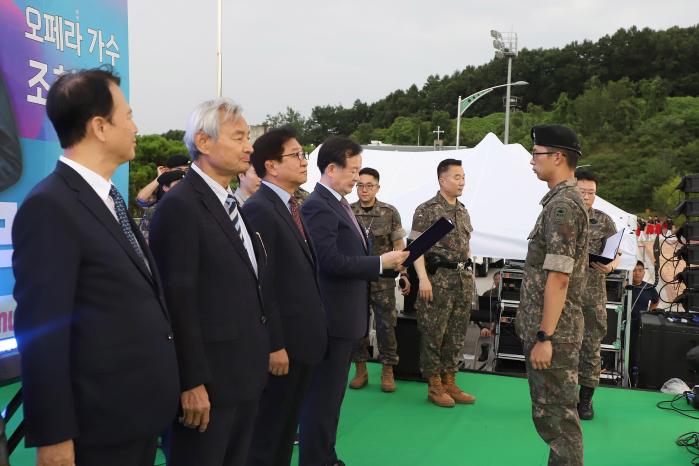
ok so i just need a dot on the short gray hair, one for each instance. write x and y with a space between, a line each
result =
205 119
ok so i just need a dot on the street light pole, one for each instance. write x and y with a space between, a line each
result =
505 44
507 105
468 101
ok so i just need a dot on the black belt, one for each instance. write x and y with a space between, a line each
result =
466 265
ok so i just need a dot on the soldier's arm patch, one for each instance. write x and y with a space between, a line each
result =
561 214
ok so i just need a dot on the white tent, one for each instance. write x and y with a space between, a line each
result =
502 194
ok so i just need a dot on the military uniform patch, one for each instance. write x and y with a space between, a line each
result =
560 214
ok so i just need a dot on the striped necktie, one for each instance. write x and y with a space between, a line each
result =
234 214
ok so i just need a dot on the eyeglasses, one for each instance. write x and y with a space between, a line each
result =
534 154
301 155
368 186
585 193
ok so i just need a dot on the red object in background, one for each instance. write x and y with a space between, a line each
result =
658 228
649 228
638 231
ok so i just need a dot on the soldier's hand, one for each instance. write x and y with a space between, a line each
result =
541 355
605 268
425 289
405 291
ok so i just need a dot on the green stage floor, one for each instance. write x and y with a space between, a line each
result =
403 429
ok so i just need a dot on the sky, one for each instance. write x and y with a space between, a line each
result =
303 53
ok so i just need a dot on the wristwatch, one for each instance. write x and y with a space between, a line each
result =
543 336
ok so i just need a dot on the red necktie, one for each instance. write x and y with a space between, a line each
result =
294 208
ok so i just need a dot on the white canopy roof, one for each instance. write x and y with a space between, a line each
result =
502 194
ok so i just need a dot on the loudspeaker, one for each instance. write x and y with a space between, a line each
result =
663 347
408 340
613 316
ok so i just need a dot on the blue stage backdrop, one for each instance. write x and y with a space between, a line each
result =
40 40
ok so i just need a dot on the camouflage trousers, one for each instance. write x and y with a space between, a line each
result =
554 394
590 365
442 324
383 303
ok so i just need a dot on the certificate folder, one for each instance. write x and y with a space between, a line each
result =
611 247
427 239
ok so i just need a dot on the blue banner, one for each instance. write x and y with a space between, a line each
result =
39 41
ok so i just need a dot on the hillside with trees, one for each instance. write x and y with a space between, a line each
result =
633 97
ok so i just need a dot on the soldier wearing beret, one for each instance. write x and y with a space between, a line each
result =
382 225
447 287
549 320
594 296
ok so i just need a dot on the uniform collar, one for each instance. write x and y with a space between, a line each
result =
569 183
440 200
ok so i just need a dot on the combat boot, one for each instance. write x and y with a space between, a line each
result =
388 384
585 411
436 393
458 395
361 376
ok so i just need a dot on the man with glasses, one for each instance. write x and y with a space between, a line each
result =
381 223
594 296
446 294
549 319
297 325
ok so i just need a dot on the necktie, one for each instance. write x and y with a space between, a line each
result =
232 207
123 218
294 208
347 207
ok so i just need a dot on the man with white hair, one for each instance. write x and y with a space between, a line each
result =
212 262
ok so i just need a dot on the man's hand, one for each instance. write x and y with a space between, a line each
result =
485 332
196 408
606 268
59 454
541 355
425 289
279 362
393 259
405 291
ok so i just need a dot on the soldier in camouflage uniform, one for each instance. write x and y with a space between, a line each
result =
382 225
300 195
549 319
447 287
594 296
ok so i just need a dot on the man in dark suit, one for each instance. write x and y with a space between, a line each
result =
99 369
297 325
345 270
212 262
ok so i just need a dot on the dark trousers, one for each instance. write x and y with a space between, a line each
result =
278 417
140 452
226 441
321 411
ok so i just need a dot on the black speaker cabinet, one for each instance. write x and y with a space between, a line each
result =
511 284
663 346
408 339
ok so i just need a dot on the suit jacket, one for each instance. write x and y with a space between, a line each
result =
292 294
98 360
344 267
213 294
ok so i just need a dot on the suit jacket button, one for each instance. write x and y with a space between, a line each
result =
263 319
169 336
